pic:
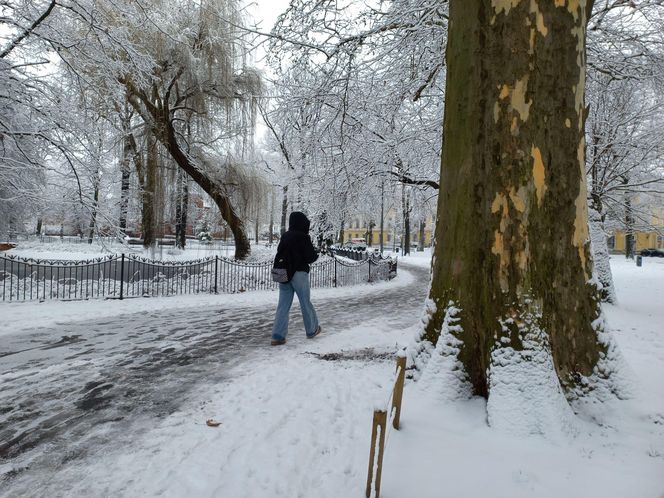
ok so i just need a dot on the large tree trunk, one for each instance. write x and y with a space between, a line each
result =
512 266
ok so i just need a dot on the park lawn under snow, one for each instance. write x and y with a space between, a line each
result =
68 250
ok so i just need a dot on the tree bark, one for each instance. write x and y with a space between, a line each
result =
125 168
512 261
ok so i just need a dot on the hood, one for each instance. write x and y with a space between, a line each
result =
299 222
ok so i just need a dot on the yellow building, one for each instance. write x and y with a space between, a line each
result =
643 239
359 229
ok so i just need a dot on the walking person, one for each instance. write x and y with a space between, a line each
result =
295 253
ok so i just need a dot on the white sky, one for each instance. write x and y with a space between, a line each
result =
265 13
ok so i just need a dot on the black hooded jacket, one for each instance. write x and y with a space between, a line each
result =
295 251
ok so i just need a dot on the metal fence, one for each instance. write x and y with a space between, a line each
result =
123 276
354 254
112 242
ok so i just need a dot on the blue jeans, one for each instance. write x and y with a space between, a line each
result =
299 285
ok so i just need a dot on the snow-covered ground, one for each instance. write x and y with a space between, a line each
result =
68 250
447 449
115 404
296 420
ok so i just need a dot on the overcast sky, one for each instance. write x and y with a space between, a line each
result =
265 13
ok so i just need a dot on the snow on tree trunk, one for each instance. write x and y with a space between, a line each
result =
512 252
284 210
630 242
600 250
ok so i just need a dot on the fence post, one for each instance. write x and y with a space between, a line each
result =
379 420
369 270
397 396
335 271
122 276
216 264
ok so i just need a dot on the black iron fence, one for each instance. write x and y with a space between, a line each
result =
354 254
123 276
110 241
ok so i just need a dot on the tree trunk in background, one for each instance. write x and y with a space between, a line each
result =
256 225
406 220
125 168
598 239
94 207
181 209
512 261
40 222
382 215
273 201
149 190
341 231
600 250
284 210
630 242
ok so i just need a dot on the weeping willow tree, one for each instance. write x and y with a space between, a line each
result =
512 300
199 75
181 66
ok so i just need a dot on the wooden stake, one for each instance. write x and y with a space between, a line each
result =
397 395
379 420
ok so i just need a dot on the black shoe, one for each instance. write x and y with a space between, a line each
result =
278 342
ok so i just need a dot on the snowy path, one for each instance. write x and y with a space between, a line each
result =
66 390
